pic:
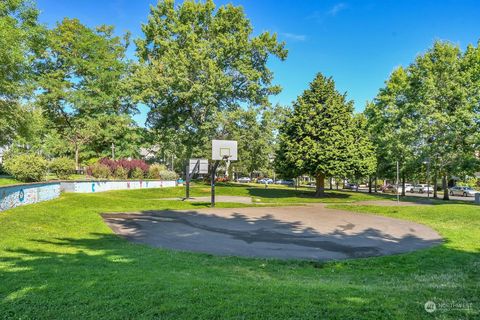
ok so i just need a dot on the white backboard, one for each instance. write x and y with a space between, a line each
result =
203 168
222 148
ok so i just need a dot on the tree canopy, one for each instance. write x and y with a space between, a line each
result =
197 62
21 37
82 79
430 112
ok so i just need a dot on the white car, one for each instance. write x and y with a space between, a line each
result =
421 188
408 187
244 180
265 180
463 191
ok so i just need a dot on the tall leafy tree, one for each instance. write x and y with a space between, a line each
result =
115 136
82 77
255 129
364 161
197 62
317 138
430 111
445 83
21 37
394 124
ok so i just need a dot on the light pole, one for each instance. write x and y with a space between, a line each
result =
398 178
427 162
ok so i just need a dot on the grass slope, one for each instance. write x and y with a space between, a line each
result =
58 260
6 181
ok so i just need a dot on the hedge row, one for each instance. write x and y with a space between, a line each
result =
133 169
31 167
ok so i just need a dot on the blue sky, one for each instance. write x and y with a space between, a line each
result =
358 43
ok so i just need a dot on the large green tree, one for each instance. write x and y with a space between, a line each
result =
318 137
364 161
20 39
255 129
393 126
430 112
445 83
197 62
83 74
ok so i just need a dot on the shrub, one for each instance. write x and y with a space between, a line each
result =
62 167
26 167
168 175
99 170
155 170
111 164
137 173
120 173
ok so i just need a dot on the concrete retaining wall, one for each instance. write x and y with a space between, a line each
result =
100 186
23 194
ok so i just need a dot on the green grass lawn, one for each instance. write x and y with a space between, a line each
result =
5 181
58 260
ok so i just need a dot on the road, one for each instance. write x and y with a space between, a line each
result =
424 195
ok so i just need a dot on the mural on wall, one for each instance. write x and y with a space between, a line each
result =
100 186
14 196
18 195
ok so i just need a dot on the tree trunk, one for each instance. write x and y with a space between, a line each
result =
375 184
320 185
331 183
336 183
403 185
445 187
435 185
76 157
369 184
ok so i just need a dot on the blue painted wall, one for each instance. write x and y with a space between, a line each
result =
19 195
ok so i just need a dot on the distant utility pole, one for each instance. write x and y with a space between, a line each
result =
113 151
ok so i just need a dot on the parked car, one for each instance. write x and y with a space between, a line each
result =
421 188
389 189
351 186
244 180
463 191
285 182
393 188
265 180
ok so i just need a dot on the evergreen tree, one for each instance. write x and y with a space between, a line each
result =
317 139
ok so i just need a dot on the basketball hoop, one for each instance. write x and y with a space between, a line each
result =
222 150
